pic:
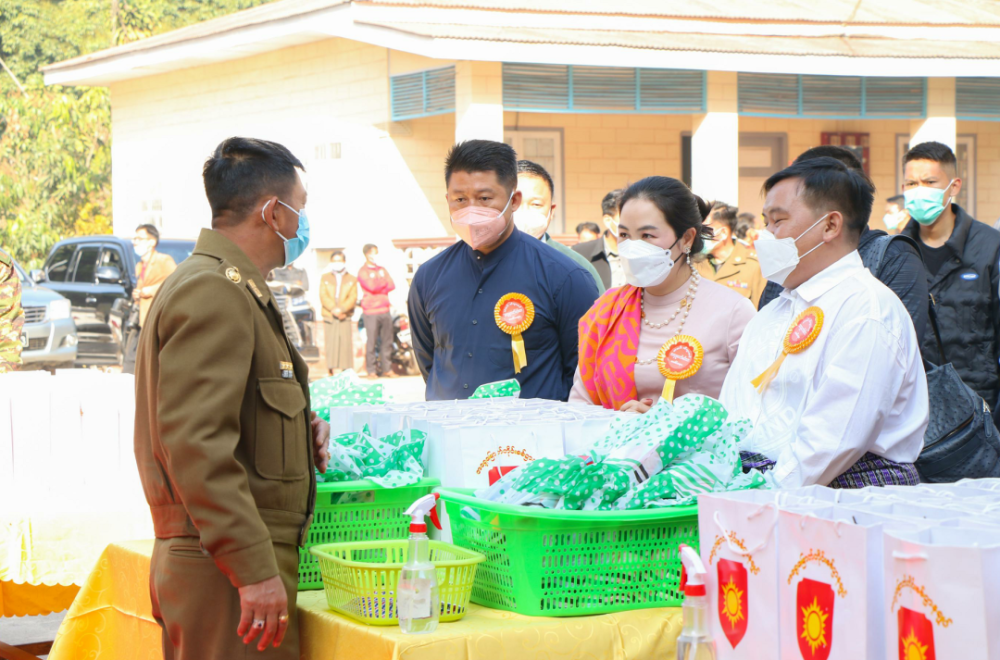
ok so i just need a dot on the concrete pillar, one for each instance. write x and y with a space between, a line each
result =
940 124
715 142
478 101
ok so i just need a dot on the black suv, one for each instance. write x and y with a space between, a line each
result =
94 272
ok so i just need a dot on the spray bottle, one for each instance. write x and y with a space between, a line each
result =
417 594
695 641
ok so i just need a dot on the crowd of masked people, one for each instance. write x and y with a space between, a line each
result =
818 329
838 365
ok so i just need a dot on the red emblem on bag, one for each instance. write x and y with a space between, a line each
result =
496 473
916 636
814 619
733 600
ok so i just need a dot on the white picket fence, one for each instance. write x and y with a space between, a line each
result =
67 438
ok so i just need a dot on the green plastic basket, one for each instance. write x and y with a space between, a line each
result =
543 562
360 578
361 510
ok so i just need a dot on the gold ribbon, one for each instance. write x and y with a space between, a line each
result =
514 313
679 358
800 336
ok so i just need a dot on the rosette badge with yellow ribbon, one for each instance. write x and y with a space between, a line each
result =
514 313
678 359
800 336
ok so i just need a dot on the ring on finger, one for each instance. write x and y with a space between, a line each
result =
283 618
258 623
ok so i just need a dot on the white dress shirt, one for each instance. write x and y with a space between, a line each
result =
859 387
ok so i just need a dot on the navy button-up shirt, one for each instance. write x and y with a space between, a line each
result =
456 340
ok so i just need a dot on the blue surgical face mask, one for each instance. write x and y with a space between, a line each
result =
294 247
926 204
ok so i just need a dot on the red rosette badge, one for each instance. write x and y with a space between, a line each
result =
800 336
514 314
678 359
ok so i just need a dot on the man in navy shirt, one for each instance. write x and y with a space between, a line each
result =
457 334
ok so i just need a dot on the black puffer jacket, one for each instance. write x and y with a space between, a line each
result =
965 291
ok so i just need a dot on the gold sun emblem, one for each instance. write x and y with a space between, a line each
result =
733 603
912 648
814 625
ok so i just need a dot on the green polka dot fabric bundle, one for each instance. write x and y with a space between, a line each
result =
665 457
391 461
497 390
344 389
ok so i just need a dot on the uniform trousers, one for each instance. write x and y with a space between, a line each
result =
198 608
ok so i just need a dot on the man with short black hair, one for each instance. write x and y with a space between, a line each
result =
835 383
151 272
588 231
535 213
895 216
603 252
498 304
226 446
894 261
961 257
746 228
726 260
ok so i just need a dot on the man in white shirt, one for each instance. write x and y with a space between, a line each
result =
850 409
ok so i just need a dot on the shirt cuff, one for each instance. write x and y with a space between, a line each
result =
250 565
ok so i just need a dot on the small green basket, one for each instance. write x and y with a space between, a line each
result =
360 578
360 510
544 562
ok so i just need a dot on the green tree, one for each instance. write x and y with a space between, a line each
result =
55 142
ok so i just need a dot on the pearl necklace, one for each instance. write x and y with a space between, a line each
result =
685 306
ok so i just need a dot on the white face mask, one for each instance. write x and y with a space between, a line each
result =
531 221
778 258
337 266
644 264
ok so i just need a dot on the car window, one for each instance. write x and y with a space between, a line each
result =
86 264
113 257
177 250
58 266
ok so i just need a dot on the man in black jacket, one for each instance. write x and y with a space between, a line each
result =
899 266
961 258
603 252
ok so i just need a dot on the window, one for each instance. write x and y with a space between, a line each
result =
833 97
760 156
113 257
422 94
58 266
86 264
545 148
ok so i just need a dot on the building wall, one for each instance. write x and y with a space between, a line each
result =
314 99
605 152
987 167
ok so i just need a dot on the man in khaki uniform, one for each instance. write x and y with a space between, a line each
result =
224 439
729 261
11 315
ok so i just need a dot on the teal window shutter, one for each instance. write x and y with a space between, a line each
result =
831 97
897 98
663 90
977 98
768 94
422 94
597 89
536 87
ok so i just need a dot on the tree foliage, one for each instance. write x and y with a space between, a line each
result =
55 142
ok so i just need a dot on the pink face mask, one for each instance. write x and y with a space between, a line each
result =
479 226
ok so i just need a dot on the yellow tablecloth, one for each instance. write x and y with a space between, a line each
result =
46 555
111 618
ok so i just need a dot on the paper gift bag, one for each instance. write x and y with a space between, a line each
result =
830 582
737 533
940 594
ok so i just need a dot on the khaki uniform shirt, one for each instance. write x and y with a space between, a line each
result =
740 272
11 316
222 432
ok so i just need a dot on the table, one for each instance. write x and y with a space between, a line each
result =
111 618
